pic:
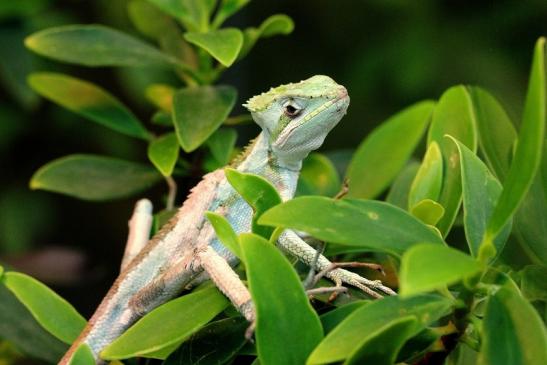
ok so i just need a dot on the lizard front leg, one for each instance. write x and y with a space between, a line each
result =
139 231
292 243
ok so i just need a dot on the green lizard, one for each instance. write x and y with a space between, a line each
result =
295 119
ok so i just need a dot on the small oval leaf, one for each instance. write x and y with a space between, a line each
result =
92 177
164 152
318 177
224 44
224 232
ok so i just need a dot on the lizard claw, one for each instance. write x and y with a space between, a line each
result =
370 287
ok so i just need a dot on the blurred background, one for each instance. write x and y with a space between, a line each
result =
388 53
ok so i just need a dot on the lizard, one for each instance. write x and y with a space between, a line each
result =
295 119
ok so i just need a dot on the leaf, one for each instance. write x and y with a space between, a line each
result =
284 317
370 171
533 284
224 232
258 192
171 323
496 132
452 115
352 333
513 333
273 25
318 177
224 44
96 45
428 181
527 156
382 346
214 344
221 144
369 224
481 190
226 9
89 101
18 326
161 95
426 267
199 111
92 177
400 189
82 356
331 319
193 14
164 152
428 211
54 313
148 19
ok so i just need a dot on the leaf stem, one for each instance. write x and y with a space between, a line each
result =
172 193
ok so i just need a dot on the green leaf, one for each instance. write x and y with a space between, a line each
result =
529 147
224 44
273 25
382 346
193 14
428 211
533 283
224 232
331 319
400 189
171 323
164 152
359 327
221 144
199 111
18 326
214 344
92 177
513 333
161 95
226 9
496 132
370 171
426 267
369 224
82 356
258 192
54 313
428 181
318 177
96 45
481 190
453 115
285 320
88 100
148 19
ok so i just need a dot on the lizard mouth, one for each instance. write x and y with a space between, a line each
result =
341 101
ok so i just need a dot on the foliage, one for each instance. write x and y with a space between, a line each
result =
460 297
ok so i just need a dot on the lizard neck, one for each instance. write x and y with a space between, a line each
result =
261 160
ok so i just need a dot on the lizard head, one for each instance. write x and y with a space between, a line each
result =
296 118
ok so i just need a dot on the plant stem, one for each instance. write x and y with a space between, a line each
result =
172 193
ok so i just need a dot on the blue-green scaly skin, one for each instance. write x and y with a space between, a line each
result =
169 262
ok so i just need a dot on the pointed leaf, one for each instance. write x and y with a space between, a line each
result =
284 317
331 319
199 111
224 232
54 313
373 225
193 14
82 356
226 9
224 44
513 332
370 172
88 100
453 115
426 267
497 134
529 147
428 181
221 144
428 211
258 192
359 327
400 189
273 25
481 191
96 45
318 177
92 177
164 152
171 323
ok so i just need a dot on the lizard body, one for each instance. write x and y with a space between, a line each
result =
295 119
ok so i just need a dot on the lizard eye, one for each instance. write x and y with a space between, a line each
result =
291 110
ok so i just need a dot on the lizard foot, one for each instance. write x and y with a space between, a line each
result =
342 276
